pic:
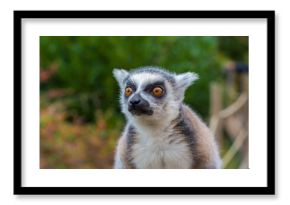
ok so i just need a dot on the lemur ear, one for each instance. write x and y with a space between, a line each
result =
183 81
120 75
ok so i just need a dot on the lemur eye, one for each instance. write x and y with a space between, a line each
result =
157 91
128 91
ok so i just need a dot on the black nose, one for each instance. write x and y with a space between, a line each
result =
135 100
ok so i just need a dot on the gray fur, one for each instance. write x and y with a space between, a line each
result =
131 140
150 69
120 75
170 137
182 126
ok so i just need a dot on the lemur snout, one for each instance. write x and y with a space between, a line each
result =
136 99
138 106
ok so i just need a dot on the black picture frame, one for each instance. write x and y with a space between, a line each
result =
268 190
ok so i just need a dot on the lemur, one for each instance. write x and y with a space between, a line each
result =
161 132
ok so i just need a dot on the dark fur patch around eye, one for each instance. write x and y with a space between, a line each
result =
150 86
130 83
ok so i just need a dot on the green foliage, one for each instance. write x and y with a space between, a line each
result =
80 115
85 65
235 47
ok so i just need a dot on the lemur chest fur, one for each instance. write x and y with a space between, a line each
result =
160 149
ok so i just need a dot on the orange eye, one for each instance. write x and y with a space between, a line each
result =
128 91
157 91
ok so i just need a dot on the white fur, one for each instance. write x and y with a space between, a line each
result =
153 149
120 75
183 81
186 79
141 78
118 162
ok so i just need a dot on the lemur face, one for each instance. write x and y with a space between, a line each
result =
145 93
151 92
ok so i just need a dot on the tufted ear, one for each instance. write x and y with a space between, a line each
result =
183 81
120 75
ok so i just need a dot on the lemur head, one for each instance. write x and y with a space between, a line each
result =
151 93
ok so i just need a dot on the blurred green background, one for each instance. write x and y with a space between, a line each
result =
80 114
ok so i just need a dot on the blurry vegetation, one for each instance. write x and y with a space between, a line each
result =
80 114
235 48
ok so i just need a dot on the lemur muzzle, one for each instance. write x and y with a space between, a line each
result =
138 105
